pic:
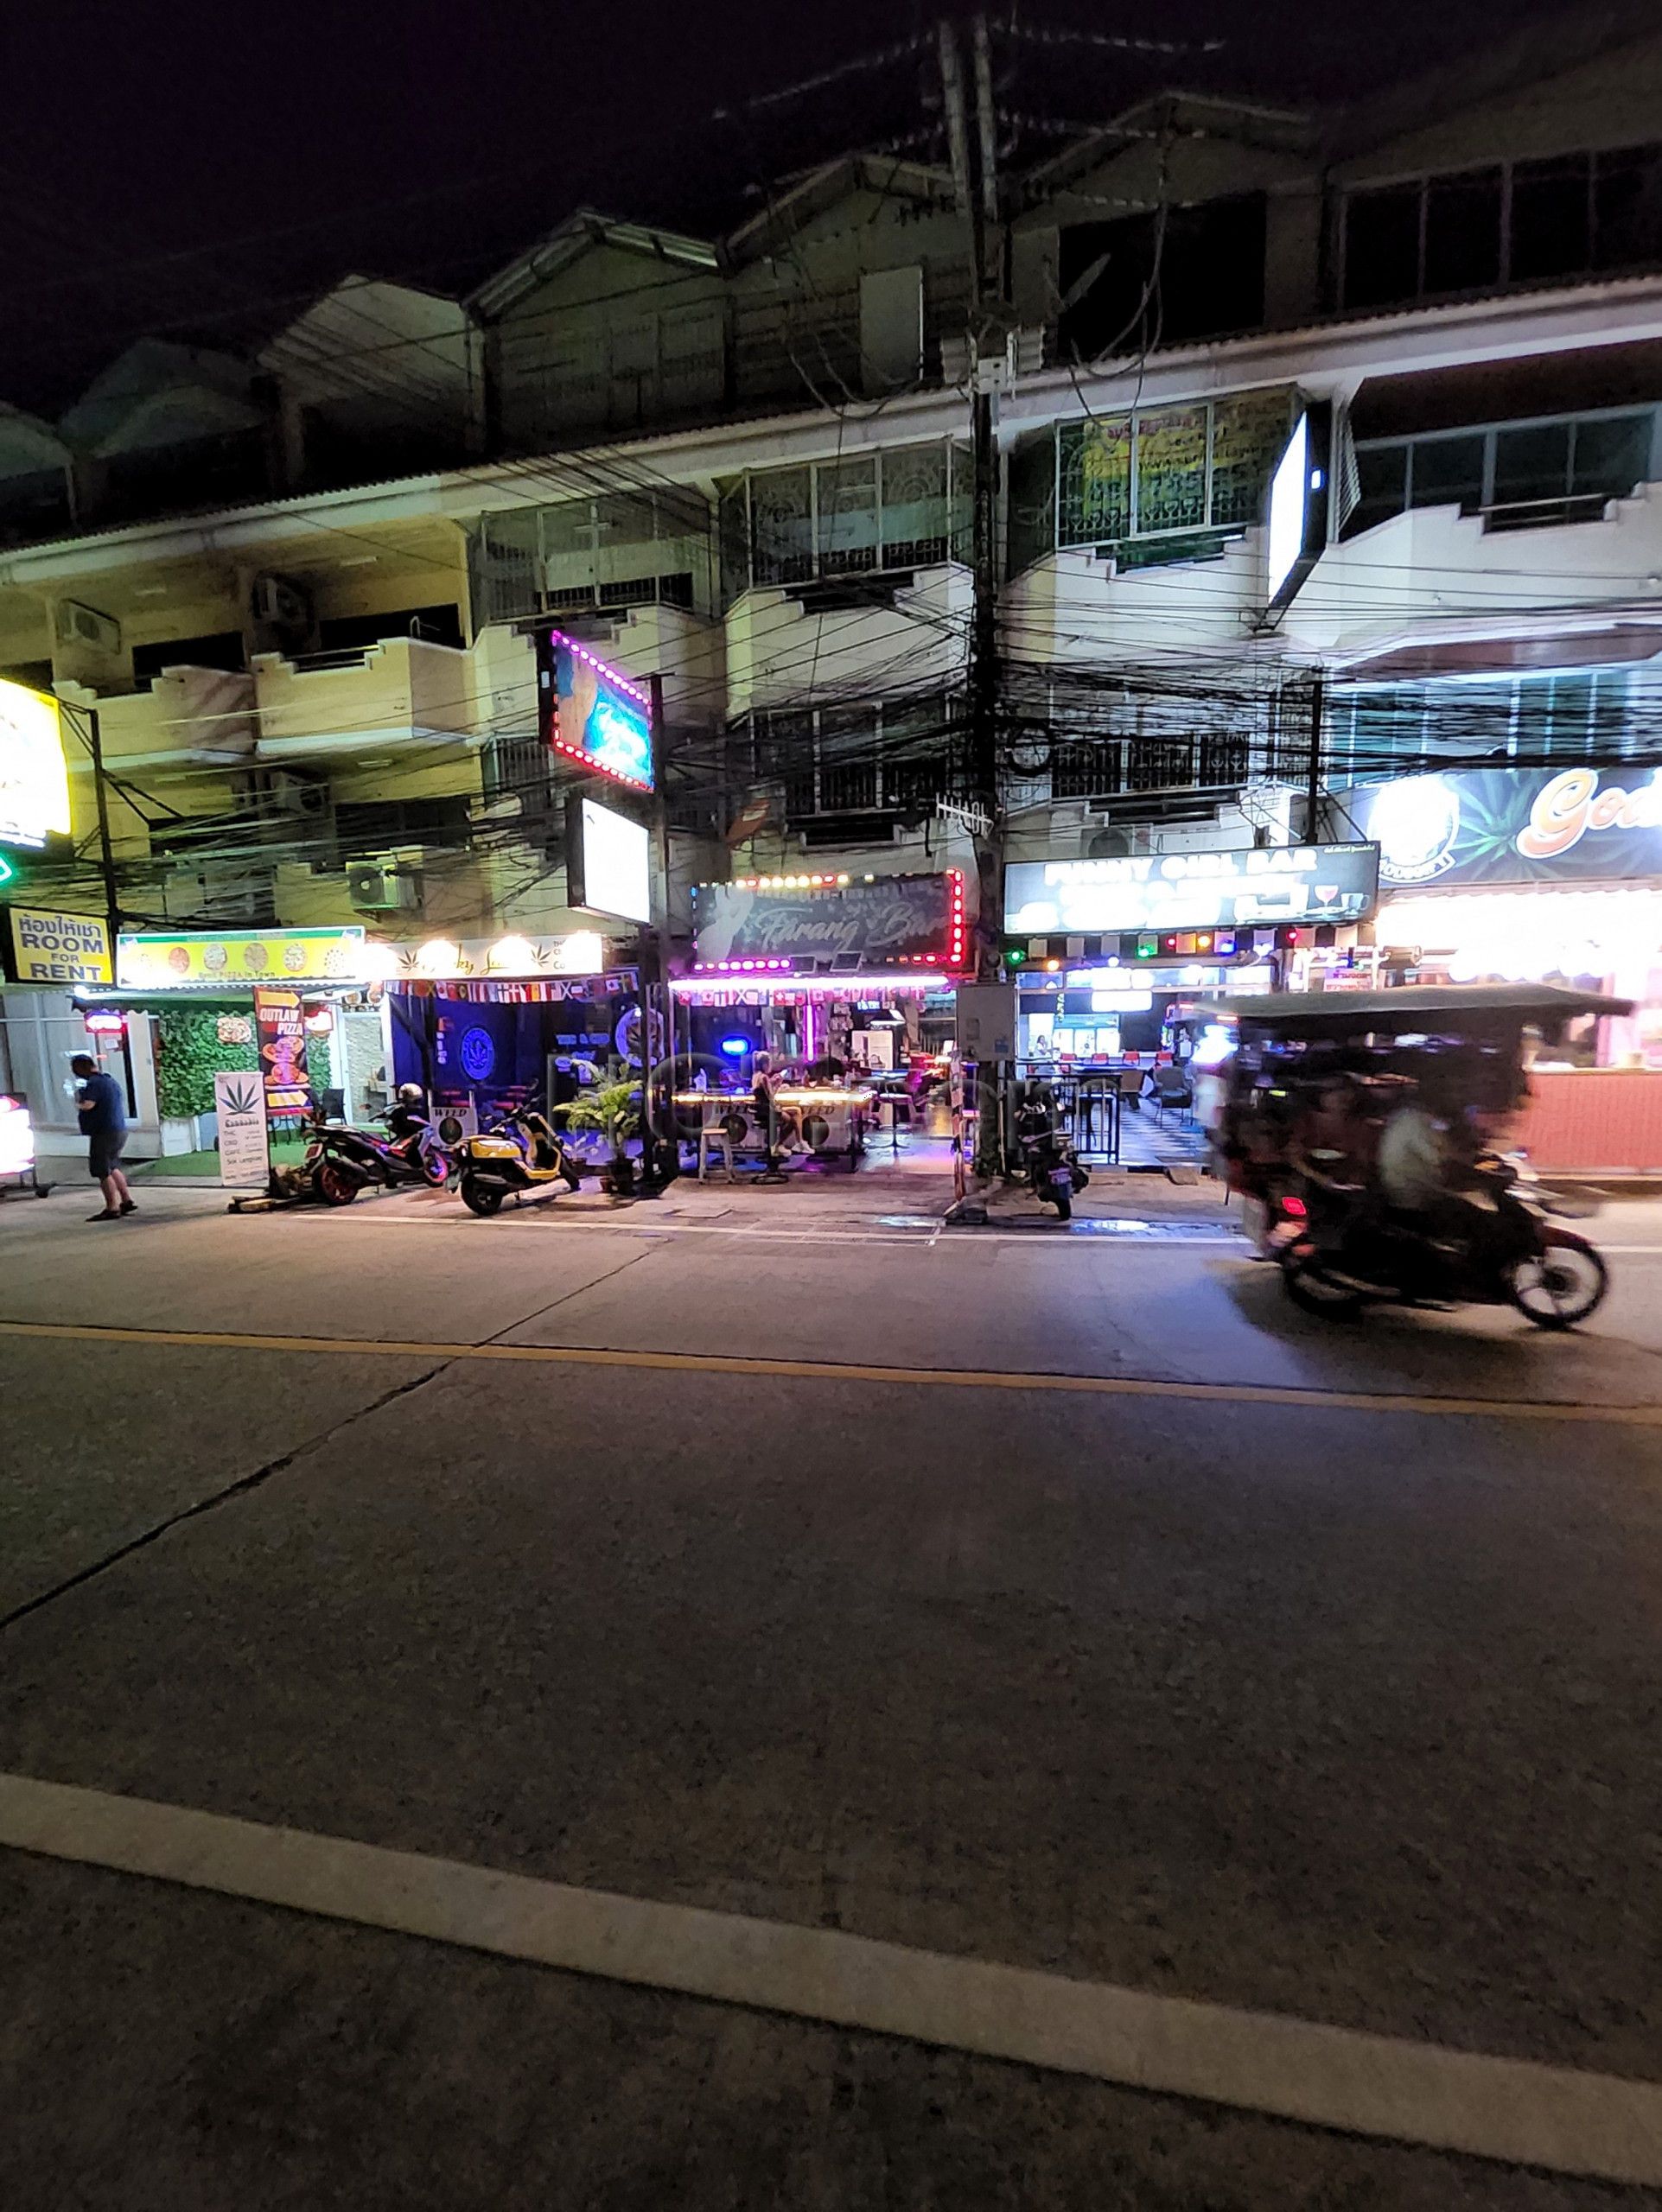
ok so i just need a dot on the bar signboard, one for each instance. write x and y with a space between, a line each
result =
1263 886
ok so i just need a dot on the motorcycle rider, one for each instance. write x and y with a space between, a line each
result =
1412 1160
1429 1166
1331 1149
406 1117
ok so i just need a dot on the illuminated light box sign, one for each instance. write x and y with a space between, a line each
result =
156 961
511 958
16 1138
45 946
592 713
1512 825
1297 521
33 779
770 924
608 861
280 1030
1262 886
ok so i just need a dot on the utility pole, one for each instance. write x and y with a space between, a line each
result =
656 967
1313 775
112 898
975 181
106 850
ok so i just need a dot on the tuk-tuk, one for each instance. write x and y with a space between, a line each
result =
1329 1095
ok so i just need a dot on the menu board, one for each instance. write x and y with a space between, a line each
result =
280 1024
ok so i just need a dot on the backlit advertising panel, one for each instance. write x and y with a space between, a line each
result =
1513 825
1263 886
33 779
608 861
593 713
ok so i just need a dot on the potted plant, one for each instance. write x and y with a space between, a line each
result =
614 1110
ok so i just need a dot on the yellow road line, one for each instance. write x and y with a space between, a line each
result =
1513 2110
827 1370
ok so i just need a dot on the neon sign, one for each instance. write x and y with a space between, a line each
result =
593 714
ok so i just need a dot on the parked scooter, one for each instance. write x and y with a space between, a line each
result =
1507 1253
341 1161
1050 1166
521 1153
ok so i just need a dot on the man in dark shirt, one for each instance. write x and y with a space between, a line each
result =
104 1118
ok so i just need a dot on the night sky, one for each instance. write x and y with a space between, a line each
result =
190 168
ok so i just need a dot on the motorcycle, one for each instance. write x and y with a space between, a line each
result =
1050 1166
1273 1216
1506 1253
341 1161
519 1154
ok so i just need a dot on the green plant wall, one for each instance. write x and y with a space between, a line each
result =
188 1055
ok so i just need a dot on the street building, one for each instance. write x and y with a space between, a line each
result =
1161 519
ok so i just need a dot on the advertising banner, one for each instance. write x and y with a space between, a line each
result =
34 780
1262 886
593 713
153 959
244 1147
607 861
45 946
280 1028
913 918
1512 825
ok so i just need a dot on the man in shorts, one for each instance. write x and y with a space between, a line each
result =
104 1119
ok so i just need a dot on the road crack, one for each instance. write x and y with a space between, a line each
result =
243 1486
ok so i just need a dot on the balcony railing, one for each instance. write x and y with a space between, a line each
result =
403 689
1116 768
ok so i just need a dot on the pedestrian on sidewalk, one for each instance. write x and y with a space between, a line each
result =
103 1120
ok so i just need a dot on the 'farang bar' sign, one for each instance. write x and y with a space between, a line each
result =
893 918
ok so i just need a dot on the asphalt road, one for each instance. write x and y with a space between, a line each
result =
1324 1695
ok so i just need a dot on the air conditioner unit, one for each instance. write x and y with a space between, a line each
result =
280 604
297 794
84 626
375 888
1024 354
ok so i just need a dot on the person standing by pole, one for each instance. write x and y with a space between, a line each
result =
104 1123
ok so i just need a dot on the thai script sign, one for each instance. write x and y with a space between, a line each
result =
50 947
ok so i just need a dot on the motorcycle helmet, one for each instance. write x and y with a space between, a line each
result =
410 1094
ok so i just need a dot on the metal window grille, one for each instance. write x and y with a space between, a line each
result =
1168 471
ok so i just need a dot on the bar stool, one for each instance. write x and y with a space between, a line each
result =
713 1131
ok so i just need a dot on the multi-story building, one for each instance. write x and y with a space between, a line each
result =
299 588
